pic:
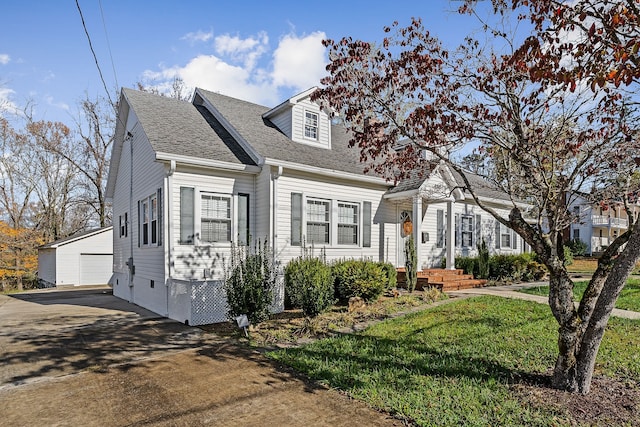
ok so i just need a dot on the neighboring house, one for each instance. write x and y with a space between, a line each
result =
188 179
597 225
83 259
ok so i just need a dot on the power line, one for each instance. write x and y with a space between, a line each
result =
106 35
95 58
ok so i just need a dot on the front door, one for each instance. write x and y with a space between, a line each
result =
405 225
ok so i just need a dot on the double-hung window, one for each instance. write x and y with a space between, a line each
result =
149 220
145 222
505 237
153 217
311 125
330 222
207 217
318 221
215 218
467 231
348 221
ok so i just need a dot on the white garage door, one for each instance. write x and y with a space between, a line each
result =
95 269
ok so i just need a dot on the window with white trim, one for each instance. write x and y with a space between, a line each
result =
153 216
311 125
149 220
124 225
348 223
467 231
215 218
505 237
145 222
318 221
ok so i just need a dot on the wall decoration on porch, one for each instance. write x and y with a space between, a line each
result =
406 223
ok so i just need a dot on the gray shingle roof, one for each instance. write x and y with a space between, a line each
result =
178 127
271 143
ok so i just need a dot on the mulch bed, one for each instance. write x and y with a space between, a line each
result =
610 402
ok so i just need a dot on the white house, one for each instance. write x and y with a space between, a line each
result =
598 225
83 259
188 179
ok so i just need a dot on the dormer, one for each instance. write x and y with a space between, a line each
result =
302 120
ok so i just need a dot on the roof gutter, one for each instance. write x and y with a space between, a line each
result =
328 172
214 164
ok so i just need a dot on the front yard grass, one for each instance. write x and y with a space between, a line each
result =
461 363
629 298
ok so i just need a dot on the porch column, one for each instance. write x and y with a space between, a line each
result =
450 243
417 228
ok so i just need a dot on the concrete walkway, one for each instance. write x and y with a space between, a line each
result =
511 291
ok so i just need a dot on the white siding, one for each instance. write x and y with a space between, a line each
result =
62 264
432 255
283 121
147 287
324 124
262 203
334 190
191 261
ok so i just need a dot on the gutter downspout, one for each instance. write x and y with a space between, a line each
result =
274 225
169 224
130 260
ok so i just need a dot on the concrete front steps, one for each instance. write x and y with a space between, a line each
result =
445 280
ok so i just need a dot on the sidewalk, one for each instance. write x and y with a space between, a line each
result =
511 291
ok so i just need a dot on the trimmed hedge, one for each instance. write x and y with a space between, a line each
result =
309 285
359 278
522 267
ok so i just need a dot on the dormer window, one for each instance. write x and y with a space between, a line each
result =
311 125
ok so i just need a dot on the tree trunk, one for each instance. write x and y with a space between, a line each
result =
580 335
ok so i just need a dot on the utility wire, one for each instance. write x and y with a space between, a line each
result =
106 36
95 58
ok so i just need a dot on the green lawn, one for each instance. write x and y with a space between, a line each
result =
629 298
453 364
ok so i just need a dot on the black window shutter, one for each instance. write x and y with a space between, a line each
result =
139 221
187 208
366 224
296 219
160 215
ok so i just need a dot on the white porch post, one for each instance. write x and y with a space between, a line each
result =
450 241
417 228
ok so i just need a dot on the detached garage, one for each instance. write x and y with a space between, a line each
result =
83 259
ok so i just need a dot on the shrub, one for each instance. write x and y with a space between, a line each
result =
250 282
483 260
501 267
309 284
467 264
568 255
577 247
357 278
392 274
411 263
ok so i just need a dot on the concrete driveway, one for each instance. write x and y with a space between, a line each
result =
83 357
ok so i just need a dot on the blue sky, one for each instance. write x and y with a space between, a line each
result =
261 51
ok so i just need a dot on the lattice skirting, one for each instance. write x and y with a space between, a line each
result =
208 301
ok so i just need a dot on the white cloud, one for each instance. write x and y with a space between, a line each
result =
53 103
248 69
4 58
247 51
198 36
243 68
299 62
6 104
